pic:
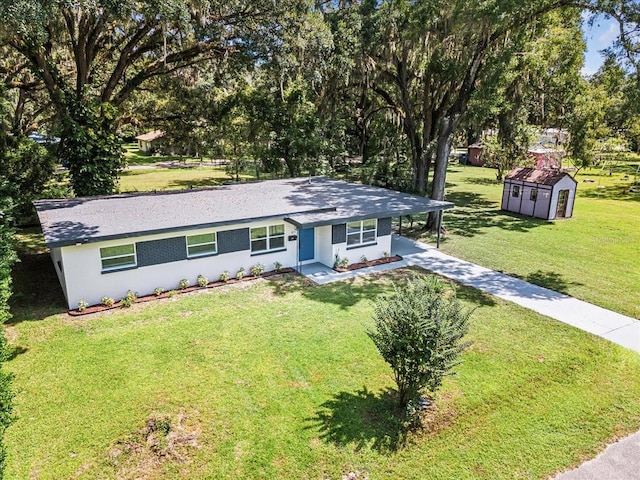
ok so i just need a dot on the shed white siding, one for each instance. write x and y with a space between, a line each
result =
564 184
538 200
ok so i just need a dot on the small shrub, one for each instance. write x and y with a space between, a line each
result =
277 266
107 301
202 281
336 261
171 293
344 262
419 331
126 302
131 296
82 305
240 273
386 255
224 276
364 259
182 284
158 291
257 270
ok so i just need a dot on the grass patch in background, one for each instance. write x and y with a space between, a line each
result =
594 256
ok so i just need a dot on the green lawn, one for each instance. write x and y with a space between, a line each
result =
594 256
277 379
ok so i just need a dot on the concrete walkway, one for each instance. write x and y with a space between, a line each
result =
621 460
599 321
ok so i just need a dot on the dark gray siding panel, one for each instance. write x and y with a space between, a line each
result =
384 226
233 240
165 250
339 233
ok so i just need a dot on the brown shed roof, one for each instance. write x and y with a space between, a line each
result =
533 175
150 136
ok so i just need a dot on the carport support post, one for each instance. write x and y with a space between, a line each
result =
439 228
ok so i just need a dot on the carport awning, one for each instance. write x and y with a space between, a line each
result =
339 215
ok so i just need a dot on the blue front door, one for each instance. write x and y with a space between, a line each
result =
306 244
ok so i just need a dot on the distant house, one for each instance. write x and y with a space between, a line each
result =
546 157
104 246
543 157
150 142
547 194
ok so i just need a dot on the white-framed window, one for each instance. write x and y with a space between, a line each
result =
201 245
118 257
515 191
266 239
362 232
533 196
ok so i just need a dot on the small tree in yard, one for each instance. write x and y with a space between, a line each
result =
418 331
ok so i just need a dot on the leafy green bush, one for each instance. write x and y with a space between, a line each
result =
257 270
126 302
182 284
418 330
158 291
277 266
202 281
82 305
240 273
7 259
107 301
224 276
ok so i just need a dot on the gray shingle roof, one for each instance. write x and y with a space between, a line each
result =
304 203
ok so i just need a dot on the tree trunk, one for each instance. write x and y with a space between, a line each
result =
445 139
420 173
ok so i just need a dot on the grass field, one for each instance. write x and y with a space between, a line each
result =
594 256
278 379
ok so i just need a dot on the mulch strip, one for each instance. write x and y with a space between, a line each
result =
149 298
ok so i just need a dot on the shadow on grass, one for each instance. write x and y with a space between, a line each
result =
473 215
199 183
363 418
36 290
551 280
612 192
482 181
13 351
474 296
347 293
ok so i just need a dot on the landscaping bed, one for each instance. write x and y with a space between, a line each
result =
170 293
369 263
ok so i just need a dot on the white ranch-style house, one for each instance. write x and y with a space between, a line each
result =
105 246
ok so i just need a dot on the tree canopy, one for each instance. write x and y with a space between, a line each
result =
298 85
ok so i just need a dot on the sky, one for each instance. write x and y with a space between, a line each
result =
599 36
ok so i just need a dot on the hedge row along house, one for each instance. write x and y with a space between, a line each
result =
105 246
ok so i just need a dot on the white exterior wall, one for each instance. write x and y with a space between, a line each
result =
85 280
324 249
523 203
372 252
